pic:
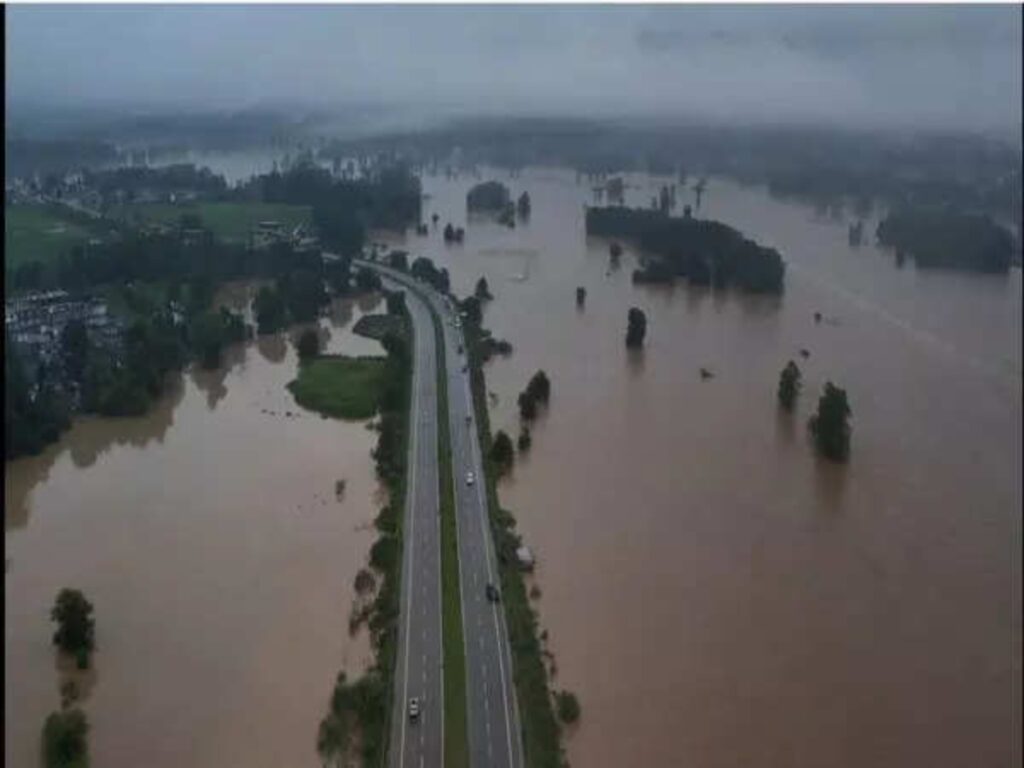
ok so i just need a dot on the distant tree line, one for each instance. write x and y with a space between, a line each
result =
946 238
704 251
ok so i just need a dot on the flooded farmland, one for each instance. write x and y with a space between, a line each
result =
714 593
220 561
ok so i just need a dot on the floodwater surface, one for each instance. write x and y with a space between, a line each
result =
715 594
209 537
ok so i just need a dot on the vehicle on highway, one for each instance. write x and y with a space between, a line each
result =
414 708
469 419
460 349
492 593
465 368
469 478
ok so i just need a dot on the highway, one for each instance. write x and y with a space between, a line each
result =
492 714
418 672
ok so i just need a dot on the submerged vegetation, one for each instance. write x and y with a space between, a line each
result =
789 386
830 426
636 328
946 238
76 628
64 740
358 713
704 251
540 729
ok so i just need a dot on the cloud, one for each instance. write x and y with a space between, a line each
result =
944 66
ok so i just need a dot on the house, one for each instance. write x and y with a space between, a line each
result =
525 558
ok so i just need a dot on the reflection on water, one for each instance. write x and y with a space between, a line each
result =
703 573
218 557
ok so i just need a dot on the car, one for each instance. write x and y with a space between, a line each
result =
460 349
414 708
465 368
492 593
469 419
469 478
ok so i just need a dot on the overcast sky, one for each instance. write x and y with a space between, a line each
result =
937 66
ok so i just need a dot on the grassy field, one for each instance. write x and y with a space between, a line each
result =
227 221
456 745
38 233
342 387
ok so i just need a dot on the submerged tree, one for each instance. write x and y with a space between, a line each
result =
831 424
523 205
309 345
789 385
75 626
64 740
483 291
581 296
525 440
636 328
502 451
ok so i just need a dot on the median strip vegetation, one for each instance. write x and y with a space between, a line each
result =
456 747
359 713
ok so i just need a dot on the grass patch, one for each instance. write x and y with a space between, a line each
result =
231 221
39 233
456 745
541 732
341 387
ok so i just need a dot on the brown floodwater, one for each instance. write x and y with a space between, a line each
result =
715 594
218 557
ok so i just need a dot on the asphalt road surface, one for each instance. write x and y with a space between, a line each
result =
418 674
493 718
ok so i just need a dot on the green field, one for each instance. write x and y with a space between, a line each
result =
342 387
227 221
38 233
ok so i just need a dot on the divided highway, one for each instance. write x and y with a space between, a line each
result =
418 672
492 714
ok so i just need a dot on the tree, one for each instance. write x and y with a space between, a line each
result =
502 452
523 205
206 335
309 344
368 280
482 290
269 309
75 625
399 260
568 707
74 347
395 301
527 407
525 440
471 307
636 328
789 385
830 425
64 740
539 387
449 232
581 296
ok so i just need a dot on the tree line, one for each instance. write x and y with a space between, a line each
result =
704 251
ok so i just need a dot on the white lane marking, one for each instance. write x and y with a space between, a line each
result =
410 502
485 532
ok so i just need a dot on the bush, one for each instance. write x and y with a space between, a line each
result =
64 740
636 328
75 625
568 707
830 425
501 450
789 385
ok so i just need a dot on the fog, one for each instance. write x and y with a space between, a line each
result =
905 66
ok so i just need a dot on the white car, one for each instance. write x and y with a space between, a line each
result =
469 478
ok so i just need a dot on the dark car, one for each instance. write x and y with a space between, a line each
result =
492 593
